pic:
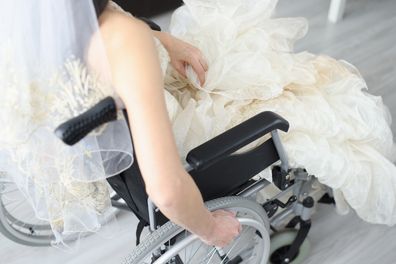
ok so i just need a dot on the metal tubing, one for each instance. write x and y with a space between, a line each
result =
254 188
281 216
151 211
281 151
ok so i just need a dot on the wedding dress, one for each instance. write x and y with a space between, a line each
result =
338 131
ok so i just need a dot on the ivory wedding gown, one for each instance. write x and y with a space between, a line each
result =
338 131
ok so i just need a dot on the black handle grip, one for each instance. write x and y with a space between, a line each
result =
77 128
237 137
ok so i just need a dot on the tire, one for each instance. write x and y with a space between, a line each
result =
285 238
20 231
28 232
23 238
170 231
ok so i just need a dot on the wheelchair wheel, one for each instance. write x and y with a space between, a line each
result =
17 220
280 243
173 245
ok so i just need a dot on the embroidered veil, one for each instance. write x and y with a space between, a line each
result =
51 55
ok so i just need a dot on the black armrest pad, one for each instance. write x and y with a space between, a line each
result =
237 137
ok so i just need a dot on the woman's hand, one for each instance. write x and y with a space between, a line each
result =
182 53
225 229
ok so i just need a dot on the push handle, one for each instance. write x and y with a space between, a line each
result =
75 129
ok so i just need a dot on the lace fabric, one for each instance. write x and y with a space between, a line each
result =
46 78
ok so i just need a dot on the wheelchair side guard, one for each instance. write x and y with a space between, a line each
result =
237 137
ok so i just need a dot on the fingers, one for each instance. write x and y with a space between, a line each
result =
227 228
182 53
228 213
204 63
190 55
197 62
233 215
198 68
181 69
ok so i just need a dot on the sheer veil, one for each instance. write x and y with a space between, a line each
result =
51 69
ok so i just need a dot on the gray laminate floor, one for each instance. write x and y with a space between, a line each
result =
366 38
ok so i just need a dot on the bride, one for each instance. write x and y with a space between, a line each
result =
339 132
223 62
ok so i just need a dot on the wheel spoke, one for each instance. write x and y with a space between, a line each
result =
185 250
9 202
199 246
232 248
9 191
17 206
212 255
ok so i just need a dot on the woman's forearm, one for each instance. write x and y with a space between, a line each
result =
184 204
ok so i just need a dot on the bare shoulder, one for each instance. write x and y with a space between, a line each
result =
118 28
130 50
118 36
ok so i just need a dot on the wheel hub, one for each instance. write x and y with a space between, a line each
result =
278 256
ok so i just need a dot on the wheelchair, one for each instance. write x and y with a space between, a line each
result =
274 230
228 179
275 216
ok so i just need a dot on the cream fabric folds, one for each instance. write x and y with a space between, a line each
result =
339 131
47 50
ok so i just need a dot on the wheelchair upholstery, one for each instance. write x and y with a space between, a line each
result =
217 171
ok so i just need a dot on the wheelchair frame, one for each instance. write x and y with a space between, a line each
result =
299 206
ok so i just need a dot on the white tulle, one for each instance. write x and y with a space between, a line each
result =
46 78
339 132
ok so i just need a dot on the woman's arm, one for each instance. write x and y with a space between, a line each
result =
137 78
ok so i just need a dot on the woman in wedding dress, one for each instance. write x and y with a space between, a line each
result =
222 63
339 131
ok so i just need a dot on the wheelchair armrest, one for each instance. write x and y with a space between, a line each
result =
237 137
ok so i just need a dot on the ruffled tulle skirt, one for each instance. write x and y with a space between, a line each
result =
338 131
